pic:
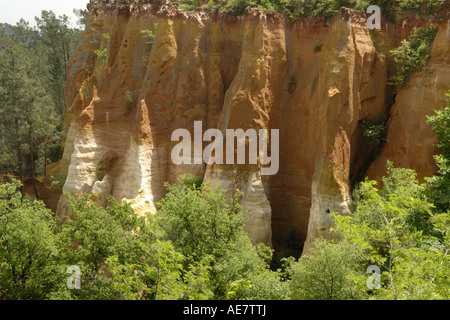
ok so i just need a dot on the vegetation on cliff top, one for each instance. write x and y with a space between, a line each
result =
296 9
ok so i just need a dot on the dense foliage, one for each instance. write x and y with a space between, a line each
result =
194 248
28 246
402 229
397 231
32 100
439 185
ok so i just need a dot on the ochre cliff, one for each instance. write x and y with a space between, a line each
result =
410 141
314 81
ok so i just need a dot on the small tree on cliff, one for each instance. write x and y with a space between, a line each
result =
412 54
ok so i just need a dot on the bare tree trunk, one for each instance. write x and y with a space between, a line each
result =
66 56
45 160
19 155
33 174
2 134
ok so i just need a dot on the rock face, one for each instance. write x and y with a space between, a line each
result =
410 141
313 81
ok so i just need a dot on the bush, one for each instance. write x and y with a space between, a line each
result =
440 123
438 186
328 272
101 53
58 182
396 229
191 181
188 5
427 5
202 223
55 152
412 54
150 34
373 131
28 246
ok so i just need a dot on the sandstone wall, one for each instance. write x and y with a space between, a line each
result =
410 141
314 81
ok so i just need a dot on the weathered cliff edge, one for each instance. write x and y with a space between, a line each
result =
313 81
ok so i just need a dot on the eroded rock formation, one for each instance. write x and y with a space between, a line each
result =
410 141
314 81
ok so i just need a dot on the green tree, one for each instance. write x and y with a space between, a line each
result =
412 54
397 230
82 16
121 256
29 118
96 237
439 185
59 41
28 246
330 271
24 106
125 256
202 223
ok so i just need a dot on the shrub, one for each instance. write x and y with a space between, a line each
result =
373 130
104 52
327 272
191 181
397 231
188 5
101 53
28 246
58 182
149 34
202 223
292 84
438 186
440 123
428 5
295 9
412 54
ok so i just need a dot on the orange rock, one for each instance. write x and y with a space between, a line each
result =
410 141
314 81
